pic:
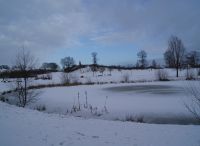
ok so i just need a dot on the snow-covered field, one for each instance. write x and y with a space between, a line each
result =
23 127
85 75
102 108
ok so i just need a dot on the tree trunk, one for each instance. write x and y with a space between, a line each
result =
25 91
177 72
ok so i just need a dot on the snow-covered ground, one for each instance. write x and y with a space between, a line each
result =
23 127
85 75
156 102
102 108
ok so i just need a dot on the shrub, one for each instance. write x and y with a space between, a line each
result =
74 79
193 106
6 92
41 108
140 119
65 78
88 108
131 118
126 78
3 99
88 80
44 77
162 75
190 75
49 76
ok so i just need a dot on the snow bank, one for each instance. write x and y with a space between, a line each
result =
23 127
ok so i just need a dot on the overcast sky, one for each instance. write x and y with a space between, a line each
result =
115 29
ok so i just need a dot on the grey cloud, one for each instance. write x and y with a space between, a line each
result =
48 25
40 25
148 22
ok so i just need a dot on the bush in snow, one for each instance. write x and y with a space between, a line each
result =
88 80
77 107
194 105
68 78
101 70
74 79
131 118
190 75
140 119
65 78
44 77
125 78
3 99
135 119
162 75
40 108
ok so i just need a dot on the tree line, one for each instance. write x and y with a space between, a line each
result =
176 56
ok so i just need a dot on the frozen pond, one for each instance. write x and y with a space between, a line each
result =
152 89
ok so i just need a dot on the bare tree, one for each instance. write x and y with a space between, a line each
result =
25 62
94 61
142 55
101 70
137 65
169 59
192 58
94 58
154 64
50 66
175 53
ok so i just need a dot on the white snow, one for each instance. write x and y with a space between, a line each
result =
85 75
23 127
147 98
143 103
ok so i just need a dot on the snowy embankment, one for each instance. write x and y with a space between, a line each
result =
23 127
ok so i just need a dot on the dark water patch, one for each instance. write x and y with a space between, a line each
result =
161 119
180 120
153 89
